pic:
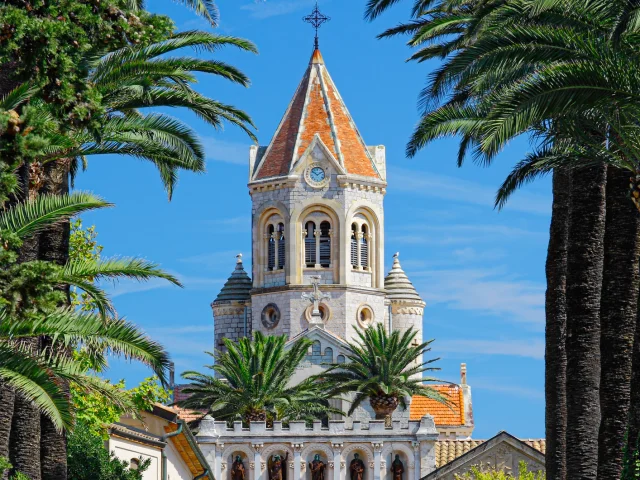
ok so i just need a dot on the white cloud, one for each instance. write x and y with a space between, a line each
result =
533 348
265 9
463 191
488 291
508 388
228 152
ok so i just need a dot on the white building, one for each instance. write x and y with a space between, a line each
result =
318 211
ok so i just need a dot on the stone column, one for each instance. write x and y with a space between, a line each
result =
274 237
337 460
416 460
297 448
377 456
257 460
218 464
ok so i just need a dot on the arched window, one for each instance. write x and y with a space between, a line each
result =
310 245
354 246
271 247
325 244
281 246
364 248
341 359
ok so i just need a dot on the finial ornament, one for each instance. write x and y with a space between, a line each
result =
315 298
239 258
316 19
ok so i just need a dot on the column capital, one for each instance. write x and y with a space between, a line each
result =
292 465
416 446
223 466
377 446
297 447
257 446
330 464
359 235
252 465
337 447
317 233
220 445
263 465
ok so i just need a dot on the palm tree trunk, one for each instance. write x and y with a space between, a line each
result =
633 429
556 325
618 312
7 399
584 286
54 247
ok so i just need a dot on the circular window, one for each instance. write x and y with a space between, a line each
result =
270 315
325 312
365 316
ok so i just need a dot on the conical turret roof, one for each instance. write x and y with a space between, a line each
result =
238 287
316 109
398 285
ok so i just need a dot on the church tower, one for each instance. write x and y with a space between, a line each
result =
317 195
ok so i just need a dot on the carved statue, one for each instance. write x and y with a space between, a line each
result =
397 468
277 467
237 469
315 298
317 468
356 468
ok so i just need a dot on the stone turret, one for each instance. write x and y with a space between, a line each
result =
232 307
407 308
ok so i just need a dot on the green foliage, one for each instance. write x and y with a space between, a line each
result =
5 465
95 411
83 246
252 383
382 364
482 473
89 460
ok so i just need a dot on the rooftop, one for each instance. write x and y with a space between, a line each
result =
443 415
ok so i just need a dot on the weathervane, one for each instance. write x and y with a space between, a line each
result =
316 19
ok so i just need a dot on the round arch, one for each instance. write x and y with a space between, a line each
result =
275 448
394 447
373 218
260 237
227 459
317 447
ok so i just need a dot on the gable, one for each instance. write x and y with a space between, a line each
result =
504 452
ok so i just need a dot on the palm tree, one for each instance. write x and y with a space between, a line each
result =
37 377
252 382
542 73
384 368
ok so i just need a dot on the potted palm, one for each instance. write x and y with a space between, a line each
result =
383 368
253 383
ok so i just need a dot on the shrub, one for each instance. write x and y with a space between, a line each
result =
489 473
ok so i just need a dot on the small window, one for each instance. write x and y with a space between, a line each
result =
271 261
282 247
341 359
364 248
134 464
354 246
325 244
310 245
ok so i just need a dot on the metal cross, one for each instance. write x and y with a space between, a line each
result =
316 19
315 298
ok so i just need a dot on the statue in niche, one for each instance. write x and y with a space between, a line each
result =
397 468
356 468
277 467
317 468
237 469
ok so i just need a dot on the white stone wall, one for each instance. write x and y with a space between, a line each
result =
360 279
229 322
126 450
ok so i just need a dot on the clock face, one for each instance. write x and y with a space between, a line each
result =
317 174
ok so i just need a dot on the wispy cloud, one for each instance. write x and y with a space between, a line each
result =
533 348
486 291
458 234
507 388
225 259
463 191
228 152
265 9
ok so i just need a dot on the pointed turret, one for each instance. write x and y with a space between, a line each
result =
398 285
232 307
316 109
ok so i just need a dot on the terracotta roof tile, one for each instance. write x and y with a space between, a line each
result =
452 414
448 450
316 109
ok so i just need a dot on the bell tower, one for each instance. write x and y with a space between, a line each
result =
317 195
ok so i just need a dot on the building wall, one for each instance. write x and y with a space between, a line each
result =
127 450
229 321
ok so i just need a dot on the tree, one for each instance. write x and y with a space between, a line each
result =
252 383
480 473
560 70
383 368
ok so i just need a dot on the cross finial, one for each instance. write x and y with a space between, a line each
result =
316 19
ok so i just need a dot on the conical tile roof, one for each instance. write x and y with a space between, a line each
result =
316 109
398 285
238 287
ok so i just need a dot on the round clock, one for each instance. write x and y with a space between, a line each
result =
316 176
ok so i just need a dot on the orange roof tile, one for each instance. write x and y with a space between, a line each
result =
316 109
452 414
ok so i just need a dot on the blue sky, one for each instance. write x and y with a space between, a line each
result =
480 271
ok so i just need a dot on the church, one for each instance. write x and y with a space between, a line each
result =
317 272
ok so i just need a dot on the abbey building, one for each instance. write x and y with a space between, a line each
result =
317 271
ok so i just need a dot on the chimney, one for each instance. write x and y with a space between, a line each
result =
463 374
